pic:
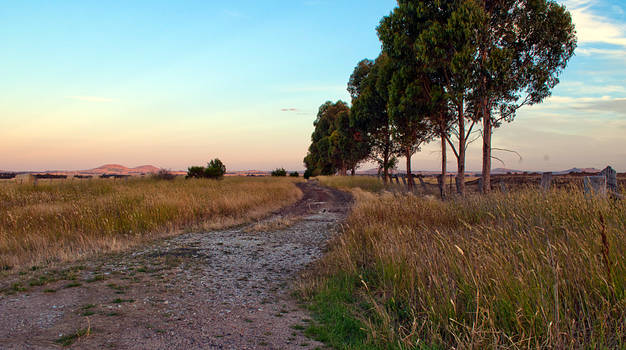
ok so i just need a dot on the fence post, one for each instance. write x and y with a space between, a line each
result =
595 185
503 187
397 180
611 179
546 181
421 178
441 181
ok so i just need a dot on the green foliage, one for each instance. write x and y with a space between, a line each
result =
336 318
294 174
196 172
308 173
369 85
214 170
279 172
336 145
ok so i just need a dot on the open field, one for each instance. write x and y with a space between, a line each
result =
523 270
225 289
68 219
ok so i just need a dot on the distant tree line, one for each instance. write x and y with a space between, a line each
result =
449 70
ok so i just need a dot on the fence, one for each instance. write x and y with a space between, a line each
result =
603 184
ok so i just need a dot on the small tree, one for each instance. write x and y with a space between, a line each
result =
294 174
196 172
215 169
308 173
279 172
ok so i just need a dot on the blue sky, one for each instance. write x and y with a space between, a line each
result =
176 83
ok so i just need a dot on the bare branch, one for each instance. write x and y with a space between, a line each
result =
456 154
498 159
507 150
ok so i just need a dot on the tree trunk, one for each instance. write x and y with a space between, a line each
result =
487 127
444 160
409 176
352 171
460 174
485 111
386 164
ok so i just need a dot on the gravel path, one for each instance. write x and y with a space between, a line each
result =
218 290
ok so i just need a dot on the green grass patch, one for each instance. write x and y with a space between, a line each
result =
334 310
120 301
69 339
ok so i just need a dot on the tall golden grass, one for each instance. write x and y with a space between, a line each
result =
524 270
65 220
367 183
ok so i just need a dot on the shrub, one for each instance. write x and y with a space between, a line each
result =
163 174
215 169
195 172
294 174
279 172
308 173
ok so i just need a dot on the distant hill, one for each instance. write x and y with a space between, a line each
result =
122 170
577 171
505 171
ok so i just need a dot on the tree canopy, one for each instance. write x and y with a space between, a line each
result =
445 66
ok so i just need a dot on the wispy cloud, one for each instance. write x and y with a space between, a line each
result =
91 98
289 109
593 28
617 105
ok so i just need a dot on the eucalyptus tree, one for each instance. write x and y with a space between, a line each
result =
369 87
436 41
409 113
333 143
523 46
348 146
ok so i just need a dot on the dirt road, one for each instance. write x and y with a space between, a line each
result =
215 290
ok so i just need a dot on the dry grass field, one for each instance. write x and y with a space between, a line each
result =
523 270
69 219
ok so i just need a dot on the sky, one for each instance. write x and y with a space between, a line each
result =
176 83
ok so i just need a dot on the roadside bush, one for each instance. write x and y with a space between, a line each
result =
308 173
294 174
163 174
279 172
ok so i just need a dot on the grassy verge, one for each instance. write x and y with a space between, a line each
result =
367 183
525 270
67 220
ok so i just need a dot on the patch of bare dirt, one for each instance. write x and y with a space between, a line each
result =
226 289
